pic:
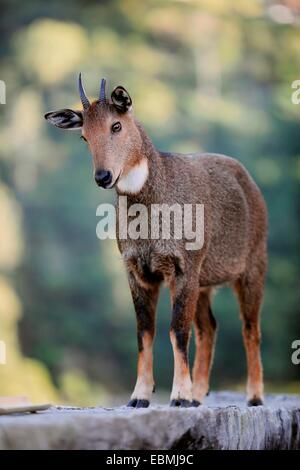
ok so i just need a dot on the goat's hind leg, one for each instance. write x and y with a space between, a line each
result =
250 289
205 334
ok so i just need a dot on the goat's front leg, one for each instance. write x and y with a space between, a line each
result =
184 299
145 301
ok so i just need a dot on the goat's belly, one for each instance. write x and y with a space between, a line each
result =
228 243
217 271
209 279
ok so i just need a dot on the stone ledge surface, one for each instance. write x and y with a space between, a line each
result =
224 422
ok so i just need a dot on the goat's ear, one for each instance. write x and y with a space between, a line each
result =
121 99
65 119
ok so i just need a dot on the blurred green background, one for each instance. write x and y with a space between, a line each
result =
204 75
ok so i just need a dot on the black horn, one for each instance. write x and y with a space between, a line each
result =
102 95
84 100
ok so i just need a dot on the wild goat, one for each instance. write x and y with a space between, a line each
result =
234 249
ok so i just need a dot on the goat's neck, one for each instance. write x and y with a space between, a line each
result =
154 184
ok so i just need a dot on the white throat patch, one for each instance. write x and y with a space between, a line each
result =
135 179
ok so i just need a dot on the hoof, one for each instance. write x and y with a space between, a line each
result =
136 403
255 402
181 403
196 403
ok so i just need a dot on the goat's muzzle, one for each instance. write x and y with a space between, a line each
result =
103 178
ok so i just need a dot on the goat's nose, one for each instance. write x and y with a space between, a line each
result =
103 178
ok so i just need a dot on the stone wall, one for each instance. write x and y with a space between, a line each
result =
224 422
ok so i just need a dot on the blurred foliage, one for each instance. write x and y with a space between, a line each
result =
20 374
204 75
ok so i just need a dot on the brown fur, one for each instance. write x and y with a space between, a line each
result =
205 332
234 250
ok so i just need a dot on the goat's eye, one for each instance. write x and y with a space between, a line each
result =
116 127
83 138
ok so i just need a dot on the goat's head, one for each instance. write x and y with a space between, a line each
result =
110 131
